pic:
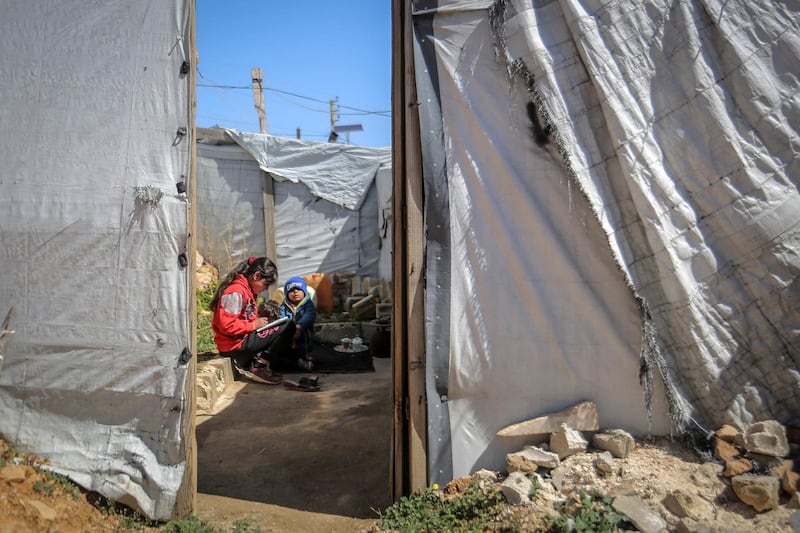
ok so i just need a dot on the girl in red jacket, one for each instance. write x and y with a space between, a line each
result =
236 323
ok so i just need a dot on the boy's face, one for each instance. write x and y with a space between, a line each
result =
295 295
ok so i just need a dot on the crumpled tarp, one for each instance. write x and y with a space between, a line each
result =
339 173
611 187
91 237
314 230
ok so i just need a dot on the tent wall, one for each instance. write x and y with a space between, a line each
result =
318 227
99 379
609 187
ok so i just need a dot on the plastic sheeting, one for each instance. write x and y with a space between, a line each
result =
339 173
326 204
604 180
91 233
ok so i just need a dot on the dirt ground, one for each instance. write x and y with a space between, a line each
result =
298 461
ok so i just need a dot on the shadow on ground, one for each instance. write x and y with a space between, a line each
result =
322 452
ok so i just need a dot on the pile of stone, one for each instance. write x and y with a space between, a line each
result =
205 273
362 297
565 462
756 461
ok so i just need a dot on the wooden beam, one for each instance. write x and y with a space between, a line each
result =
186 495
258 98
408 333
269 216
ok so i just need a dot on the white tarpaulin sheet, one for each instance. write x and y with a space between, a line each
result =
339 173
327 218
91 233
650 206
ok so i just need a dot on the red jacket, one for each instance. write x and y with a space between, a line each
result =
234 316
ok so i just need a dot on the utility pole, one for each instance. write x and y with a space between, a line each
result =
258 98
333 135
333 114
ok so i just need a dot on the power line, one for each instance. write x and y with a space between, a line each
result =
272 89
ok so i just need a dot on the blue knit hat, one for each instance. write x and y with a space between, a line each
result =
295 283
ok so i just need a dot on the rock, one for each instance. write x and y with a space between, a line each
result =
530 458
567 441
759 492
767 438
13 473
678 503
794 521
545 492
516 488
790 480
794 501
205 274
685 505
728 434
604 462
617 441
725 451
45 512
645 519
485 473
737 467
582 417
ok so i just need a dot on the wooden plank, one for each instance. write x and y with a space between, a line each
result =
411 459
269 216
397 471
186 495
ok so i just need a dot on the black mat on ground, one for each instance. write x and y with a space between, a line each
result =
328 361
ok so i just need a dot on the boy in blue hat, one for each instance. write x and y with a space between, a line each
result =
298 306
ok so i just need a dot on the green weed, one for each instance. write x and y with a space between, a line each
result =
205 335
198 525
429 511
592 516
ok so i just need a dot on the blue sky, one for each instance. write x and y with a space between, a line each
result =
310 52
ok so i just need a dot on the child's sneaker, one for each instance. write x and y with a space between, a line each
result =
263 375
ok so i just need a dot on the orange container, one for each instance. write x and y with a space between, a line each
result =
322 284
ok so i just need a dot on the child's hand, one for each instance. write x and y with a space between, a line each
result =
260 322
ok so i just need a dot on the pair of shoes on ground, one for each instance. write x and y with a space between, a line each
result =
260 374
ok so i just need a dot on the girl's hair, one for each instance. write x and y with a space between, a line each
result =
254 264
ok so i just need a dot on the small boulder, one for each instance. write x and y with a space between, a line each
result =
767 438
567 441
617 441
645 519
759 492
516 488
530 458
737 467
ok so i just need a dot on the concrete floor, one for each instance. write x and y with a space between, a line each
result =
319 452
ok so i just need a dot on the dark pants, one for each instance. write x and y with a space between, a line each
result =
263 344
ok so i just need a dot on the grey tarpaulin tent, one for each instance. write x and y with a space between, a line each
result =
95 256
610 196
330 203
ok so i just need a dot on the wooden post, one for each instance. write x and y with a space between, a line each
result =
258 98
269 217
186 495
410 460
